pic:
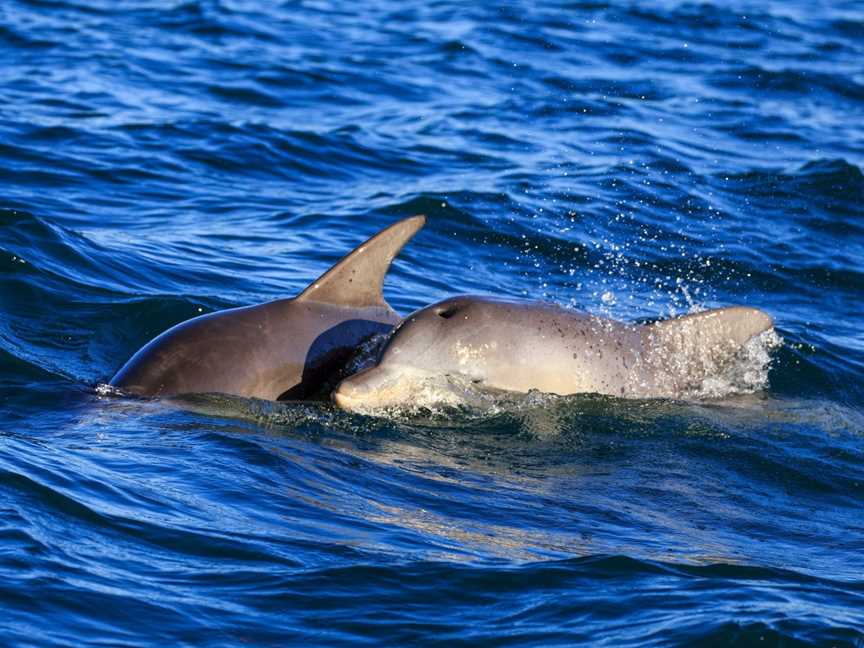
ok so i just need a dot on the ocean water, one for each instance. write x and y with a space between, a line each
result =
160 159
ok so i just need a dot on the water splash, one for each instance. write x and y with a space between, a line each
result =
748 371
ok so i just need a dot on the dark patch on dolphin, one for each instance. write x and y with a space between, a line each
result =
328 354
284 349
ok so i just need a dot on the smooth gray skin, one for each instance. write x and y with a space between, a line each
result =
523 346
285 349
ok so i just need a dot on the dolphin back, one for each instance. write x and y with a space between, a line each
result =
287 348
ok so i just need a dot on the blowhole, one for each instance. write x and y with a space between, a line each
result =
446 313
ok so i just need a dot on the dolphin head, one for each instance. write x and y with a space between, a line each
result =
433 351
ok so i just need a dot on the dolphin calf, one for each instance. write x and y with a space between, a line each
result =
521 346
284 349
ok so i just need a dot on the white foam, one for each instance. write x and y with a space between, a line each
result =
104 389
747 373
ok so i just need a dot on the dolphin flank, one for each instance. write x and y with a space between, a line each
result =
284 349
522 346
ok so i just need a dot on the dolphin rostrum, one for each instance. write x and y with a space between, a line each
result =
284 349
516 346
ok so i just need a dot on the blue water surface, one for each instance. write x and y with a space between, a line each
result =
160 159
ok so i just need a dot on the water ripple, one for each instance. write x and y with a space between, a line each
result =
163 159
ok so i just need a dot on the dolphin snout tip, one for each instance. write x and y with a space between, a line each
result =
351 392
341 396
368 390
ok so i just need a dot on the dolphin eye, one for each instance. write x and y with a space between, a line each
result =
446 313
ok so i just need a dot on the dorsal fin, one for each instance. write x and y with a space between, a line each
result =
733 325
688 349
358 278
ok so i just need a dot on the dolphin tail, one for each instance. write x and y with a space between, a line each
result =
690 348
358 278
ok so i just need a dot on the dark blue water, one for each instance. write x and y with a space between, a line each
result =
160 159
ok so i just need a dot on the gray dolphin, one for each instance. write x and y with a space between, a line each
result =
522 346
284 349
